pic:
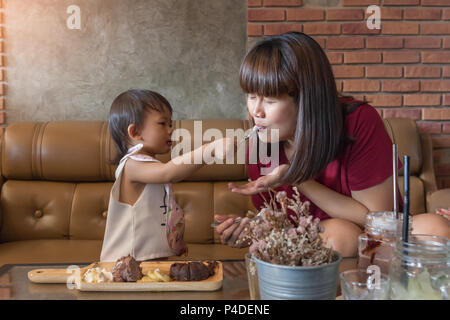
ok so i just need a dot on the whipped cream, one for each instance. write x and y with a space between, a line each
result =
97 275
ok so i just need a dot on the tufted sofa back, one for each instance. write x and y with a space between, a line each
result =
56 178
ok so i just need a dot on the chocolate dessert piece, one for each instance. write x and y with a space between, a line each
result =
126 269
192 271
180 272
198 271
211 266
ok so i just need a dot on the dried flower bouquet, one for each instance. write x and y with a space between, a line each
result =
276 240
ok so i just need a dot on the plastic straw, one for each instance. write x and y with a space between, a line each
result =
404 278
395 177
405 199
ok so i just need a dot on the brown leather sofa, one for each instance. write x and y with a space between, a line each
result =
56 179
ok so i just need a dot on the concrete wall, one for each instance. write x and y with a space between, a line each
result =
188 50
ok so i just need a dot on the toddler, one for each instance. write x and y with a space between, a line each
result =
143 218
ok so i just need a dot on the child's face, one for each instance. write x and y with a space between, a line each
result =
157 132
273 113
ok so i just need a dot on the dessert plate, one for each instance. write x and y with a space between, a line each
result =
67 276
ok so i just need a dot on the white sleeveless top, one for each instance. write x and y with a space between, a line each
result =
151 228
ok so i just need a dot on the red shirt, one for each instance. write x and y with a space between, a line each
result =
366 162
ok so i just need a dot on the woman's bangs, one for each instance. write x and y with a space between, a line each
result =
261 73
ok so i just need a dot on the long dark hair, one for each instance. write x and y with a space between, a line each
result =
130 107
294 64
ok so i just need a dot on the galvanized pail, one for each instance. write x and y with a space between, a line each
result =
279 282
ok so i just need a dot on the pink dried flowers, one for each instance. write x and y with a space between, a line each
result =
276 240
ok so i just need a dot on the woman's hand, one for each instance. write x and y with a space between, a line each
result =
230 231
263 183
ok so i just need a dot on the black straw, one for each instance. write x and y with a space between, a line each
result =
405 198
404 278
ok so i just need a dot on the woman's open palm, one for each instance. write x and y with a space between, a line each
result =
262 184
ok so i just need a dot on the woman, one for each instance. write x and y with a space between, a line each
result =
334 149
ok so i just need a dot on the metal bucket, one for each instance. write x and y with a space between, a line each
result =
278 282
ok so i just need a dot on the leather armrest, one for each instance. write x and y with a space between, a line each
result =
438 199
427 173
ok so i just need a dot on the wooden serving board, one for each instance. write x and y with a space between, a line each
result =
61 276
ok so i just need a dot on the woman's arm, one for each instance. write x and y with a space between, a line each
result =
336 205
354 208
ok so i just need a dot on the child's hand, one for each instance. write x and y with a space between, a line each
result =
224 148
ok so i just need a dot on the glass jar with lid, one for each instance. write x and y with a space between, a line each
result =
420 268
376 245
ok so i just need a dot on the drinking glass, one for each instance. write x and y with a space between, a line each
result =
252 276
355 285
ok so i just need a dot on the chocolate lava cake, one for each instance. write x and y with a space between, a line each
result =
127 269
192 271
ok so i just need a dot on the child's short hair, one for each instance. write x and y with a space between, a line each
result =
130 107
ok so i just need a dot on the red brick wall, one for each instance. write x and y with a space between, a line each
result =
403 69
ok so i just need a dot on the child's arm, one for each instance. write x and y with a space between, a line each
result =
176 169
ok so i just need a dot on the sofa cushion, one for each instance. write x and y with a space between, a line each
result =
85 251
89 210
59 151
196 200
35 210
53 210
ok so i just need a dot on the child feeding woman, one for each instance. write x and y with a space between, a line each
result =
143 219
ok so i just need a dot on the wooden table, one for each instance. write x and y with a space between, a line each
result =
15 285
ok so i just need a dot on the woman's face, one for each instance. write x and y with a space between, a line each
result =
273 113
